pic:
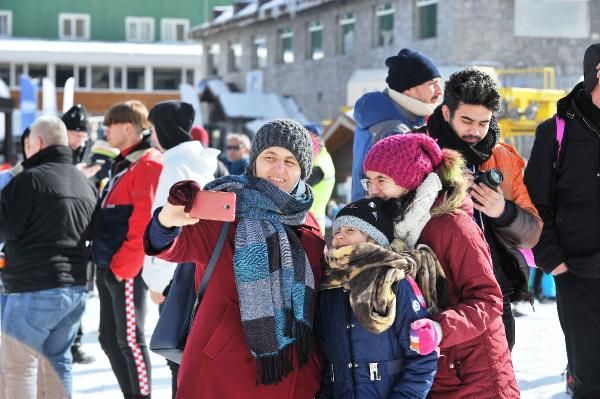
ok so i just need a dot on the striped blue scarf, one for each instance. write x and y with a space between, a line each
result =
275 282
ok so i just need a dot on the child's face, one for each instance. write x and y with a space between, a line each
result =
348 236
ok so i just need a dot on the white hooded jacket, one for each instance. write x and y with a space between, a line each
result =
186 161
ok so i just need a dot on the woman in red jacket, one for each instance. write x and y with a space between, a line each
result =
474 361
252 336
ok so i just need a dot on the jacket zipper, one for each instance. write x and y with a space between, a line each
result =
349 338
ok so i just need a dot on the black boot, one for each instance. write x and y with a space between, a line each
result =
80 356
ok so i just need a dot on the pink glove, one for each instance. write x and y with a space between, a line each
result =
425 336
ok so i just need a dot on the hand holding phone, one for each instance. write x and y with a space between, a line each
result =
214 205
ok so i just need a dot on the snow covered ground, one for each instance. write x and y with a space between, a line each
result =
539 357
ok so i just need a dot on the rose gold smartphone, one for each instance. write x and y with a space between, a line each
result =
214 205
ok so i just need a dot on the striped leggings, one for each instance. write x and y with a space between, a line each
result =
121 335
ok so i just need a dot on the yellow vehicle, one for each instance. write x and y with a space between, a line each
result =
524 108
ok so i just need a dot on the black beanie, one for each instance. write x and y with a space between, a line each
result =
370 216
76 118
408 69
172 122
591 59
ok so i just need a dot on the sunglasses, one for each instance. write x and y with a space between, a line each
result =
234 147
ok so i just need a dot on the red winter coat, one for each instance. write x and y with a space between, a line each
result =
133 189
475 360
216 363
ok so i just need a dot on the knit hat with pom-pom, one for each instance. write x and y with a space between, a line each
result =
405 158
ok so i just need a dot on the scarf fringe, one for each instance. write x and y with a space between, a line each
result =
272 368
305 342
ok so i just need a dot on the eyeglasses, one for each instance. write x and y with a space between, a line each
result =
365 183
380 182
233 147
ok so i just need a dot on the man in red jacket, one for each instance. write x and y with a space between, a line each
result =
126 205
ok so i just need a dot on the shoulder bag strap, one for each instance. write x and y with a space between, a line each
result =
209 269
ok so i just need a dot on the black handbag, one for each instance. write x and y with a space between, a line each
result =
175 321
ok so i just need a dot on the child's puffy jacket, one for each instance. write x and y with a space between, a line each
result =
360 364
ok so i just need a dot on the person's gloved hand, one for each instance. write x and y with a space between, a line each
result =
425 336
183 193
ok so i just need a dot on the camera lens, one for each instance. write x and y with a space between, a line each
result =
496 177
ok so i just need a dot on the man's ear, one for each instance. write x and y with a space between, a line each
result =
446 112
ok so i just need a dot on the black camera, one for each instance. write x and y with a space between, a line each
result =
491 178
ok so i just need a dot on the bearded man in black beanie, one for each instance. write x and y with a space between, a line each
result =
563 178
465 123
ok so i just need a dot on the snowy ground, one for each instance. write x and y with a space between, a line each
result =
539 358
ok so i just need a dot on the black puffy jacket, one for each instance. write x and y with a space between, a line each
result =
568 197
45 215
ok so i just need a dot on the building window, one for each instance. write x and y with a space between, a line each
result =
189 76
286 40
166 78
5 73
37 71
546 19
117 82
100 77
235 57
260 53
347 29
62 73
212 59
315 38
174 30
426 18
384 15
139 29
135 78
5 23
74 26
81 77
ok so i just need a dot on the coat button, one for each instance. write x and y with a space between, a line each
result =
352 325
355 365
347 326
451 365
349 365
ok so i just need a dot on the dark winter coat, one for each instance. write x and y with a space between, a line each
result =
360 364
475 360
217 362
520 226
568 200
45 214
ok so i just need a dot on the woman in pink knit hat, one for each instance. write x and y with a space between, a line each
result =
429 185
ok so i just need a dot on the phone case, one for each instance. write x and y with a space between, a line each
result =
214 205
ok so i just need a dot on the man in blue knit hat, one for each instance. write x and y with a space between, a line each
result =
413 90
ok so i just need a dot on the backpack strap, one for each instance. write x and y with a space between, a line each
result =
560 133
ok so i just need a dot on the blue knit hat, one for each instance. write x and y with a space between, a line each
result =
408 69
